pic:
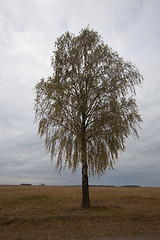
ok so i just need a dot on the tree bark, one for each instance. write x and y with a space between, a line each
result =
85 187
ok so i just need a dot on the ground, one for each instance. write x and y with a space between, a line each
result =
47 212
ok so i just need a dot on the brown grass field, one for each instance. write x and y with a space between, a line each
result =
47 212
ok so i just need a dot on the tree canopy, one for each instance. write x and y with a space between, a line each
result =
87 109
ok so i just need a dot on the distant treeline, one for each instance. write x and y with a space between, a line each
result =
130 186
103 186
41 184
114 186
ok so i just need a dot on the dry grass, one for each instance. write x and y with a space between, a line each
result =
43 212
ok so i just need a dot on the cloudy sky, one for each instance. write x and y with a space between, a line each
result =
28 30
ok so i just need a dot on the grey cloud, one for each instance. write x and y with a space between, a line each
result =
28 32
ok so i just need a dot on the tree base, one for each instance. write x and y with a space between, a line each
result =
85 207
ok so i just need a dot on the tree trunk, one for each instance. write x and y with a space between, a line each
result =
85 187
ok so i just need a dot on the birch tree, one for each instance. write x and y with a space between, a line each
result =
87 109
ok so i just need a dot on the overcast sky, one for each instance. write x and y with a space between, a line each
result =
28 30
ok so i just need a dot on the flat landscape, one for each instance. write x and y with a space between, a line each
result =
48 212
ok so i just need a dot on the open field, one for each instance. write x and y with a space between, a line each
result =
46 212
